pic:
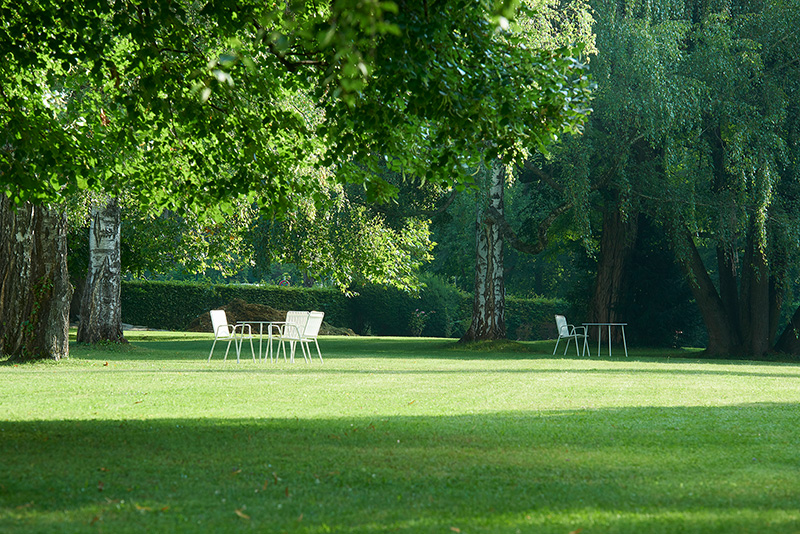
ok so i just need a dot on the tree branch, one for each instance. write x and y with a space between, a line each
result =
543 176
518 243
293 65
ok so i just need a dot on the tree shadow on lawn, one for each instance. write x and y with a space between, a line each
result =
695 469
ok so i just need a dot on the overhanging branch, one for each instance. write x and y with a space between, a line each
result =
518 243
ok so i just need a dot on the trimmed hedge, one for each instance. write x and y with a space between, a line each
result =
374 311
531 319
173 305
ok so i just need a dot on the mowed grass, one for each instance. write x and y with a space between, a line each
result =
397 435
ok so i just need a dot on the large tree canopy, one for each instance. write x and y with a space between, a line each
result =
189 103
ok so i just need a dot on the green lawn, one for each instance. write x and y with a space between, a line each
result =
397 435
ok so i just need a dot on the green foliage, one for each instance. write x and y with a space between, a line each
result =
657 301
344 243
392 312
192 105
448 308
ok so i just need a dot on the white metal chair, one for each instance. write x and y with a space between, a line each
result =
232 333
570 332
292 332
311 332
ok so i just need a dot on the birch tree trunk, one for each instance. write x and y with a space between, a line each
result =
489 306
101 309
35 292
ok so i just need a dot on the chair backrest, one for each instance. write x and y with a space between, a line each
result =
314 323
561 325
219 322
295 323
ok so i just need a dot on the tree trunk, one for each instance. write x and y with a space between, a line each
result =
727 267
101 309
35 291
755 300
616 246
789 342
723 336
488 309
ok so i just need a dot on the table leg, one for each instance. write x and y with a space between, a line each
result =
609 341
624 343
599 335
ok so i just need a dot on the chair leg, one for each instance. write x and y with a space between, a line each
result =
556 347
225 359
212 349
306 350
238 344
577 351
567 347
318 351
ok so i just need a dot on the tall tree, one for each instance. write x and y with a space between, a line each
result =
488 308
537 30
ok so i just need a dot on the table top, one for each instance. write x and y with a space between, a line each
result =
604 324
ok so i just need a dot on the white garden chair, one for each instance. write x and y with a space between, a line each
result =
230 333
292 332
306 329
569 332
312 331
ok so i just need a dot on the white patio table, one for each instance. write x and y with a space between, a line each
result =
270 325
600 329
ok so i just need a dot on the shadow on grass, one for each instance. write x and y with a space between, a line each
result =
721 469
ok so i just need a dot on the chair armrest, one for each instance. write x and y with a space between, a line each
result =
241 328
580 330
290 327
220 327
277 327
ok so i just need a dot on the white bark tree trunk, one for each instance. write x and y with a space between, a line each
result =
101 309
489 308
35 292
